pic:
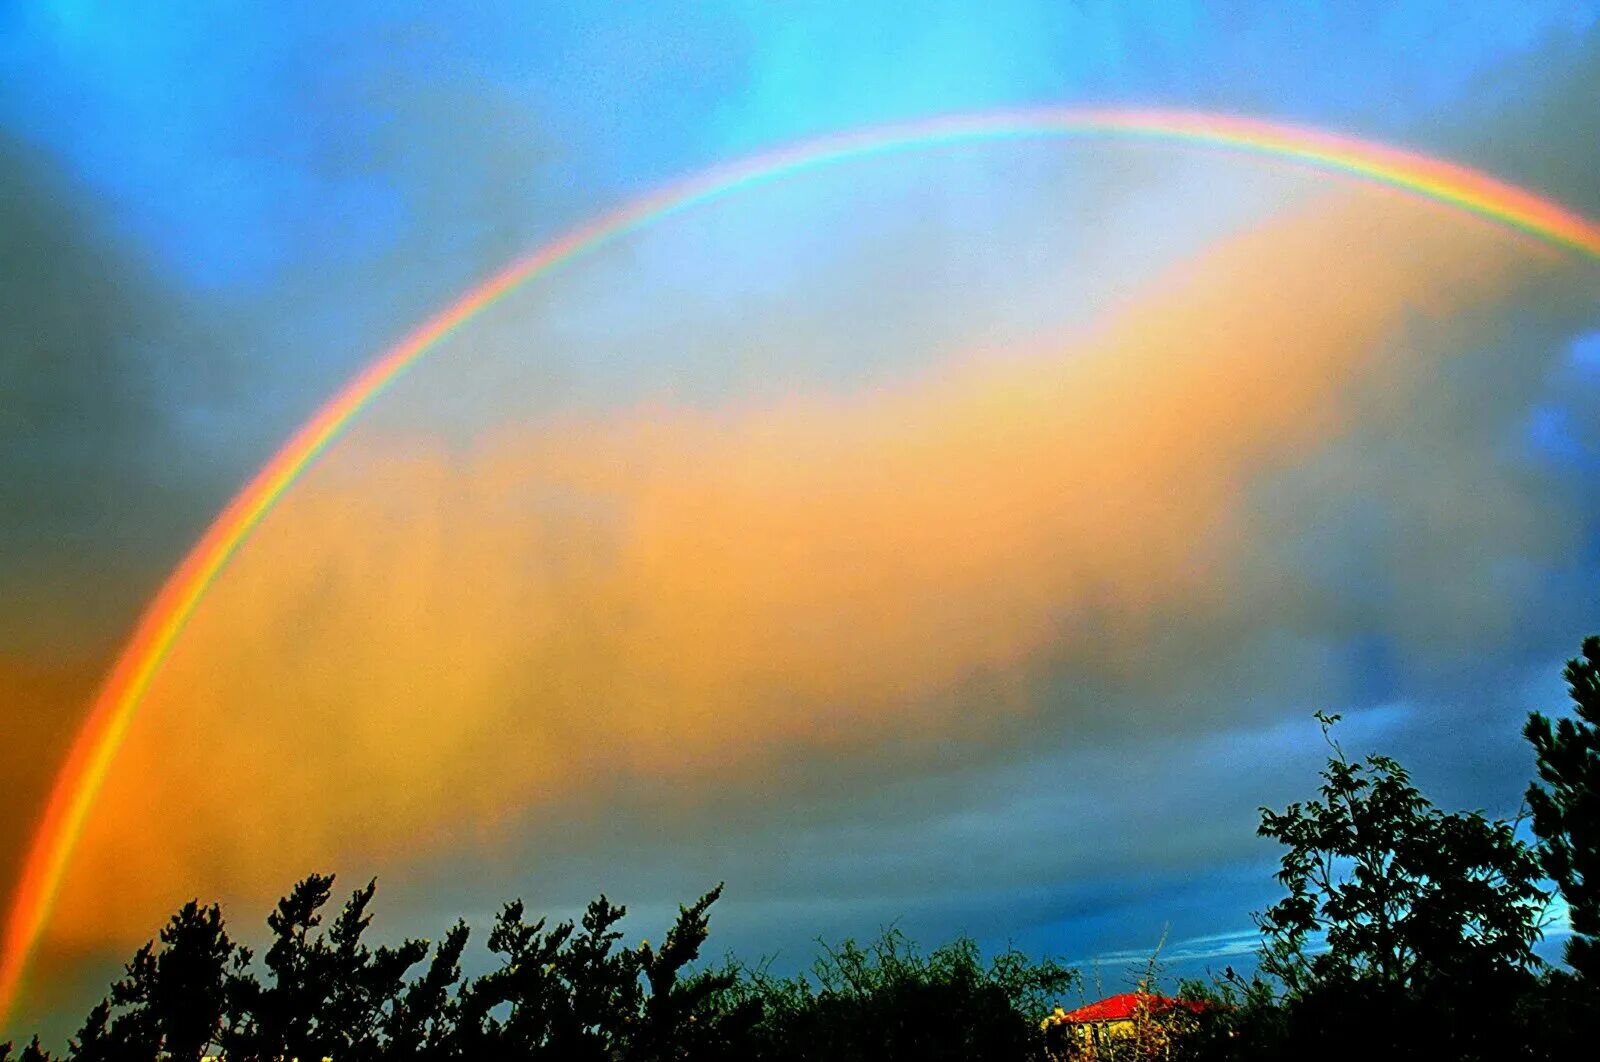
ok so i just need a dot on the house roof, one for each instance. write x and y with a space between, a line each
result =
1122 1007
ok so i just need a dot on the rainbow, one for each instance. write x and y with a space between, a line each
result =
163 621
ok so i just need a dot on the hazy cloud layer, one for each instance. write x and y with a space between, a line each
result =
420 651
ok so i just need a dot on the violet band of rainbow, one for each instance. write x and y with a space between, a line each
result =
95 746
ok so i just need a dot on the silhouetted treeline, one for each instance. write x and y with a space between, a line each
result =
1405 932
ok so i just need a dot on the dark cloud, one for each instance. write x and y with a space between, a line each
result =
1536 119
97 358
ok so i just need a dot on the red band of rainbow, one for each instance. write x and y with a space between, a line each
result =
101 733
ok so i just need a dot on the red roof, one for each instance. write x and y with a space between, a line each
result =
1123 1007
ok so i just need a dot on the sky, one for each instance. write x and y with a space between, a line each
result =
958 540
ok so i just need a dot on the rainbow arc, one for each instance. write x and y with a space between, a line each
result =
95 747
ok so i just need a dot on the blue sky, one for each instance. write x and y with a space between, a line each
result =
222 140
297 164
216 213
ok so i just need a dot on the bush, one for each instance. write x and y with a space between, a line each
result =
888 1001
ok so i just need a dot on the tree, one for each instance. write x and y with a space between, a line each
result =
331 996
561 990
1566 808
1400 917
682 1019
568 992
421 1024
1402 893
31 1053
172 1003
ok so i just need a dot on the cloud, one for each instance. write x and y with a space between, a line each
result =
140 379
1234 944
90 361
1535 122
430 651
95 357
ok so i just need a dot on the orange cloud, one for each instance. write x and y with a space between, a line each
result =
39 699
422 650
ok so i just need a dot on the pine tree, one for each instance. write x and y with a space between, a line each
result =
1566 808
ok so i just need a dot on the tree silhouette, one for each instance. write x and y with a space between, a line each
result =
1566 808
173 1002
331 996
569 992
563 992
1402 893
421 1024
1400 917
683 1018
32 1052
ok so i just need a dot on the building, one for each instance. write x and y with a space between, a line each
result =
1141 1021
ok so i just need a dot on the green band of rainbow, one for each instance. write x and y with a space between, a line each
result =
98 739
